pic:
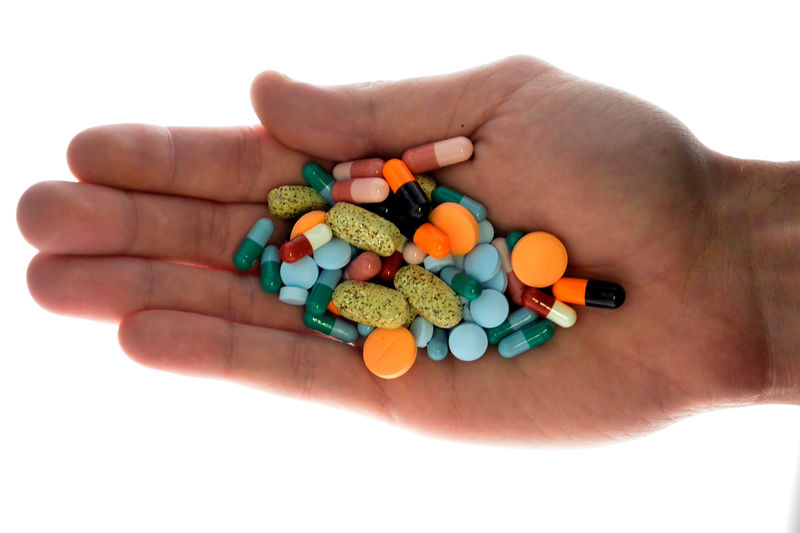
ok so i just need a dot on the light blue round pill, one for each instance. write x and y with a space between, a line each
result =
333 254
486 231
489 309
422 330
499 282
364 330
483 262
467 341
293 295
302 273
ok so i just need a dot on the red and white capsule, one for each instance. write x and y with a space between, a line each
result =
305 243
546 305
438 154
361 191
362 168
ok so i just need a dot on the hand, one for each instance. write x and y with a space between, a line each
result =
147 236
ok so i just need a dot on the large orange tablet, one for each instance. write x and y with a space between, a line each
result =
306 222
539 259
457 223
389 353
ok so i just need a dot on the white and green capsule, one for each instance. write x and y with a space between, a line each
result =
270 273
515 321
328 324
442 194
528 337
319 180
252 246
322 291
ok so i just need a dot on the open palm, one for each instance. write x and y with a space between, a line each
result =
147 236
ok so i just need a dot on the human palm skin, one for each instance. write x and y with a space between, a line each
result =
147 235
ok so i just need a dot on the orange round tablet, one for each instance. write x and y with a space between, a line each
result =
389 353
539 259
306 222
459 224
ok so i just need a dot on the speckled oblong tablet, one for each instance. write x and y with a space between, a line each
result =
371 304
289 201
363 229
427 183
430 296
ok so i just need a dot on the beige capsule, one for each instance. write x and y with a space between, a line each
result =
371 304
289 201
430 296
363 229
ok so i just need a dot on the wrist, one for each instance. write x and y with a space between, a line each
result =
756 205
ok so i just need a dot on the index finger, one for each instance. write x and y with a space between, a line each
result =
232 164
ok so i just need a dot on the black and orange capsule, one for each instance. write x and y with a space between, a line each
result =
589 292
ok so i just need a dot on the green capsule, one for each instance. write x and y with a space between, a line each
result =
528 337
515 321
513 238
328 324
270 270
322 291
461 282
320 181
252 246
442 194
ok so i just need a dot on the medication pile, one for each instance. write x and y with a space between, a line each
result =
380 251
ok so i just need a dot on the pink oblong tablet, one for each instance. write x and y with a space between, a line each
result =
365 266
362 168
438 154
361 191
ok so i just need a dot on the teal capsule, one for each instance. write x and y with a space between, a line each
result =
528 337
513 238
464 284
319 180
271 270
515 321
437 346
330 325
443 194
365 329
322 291
252 246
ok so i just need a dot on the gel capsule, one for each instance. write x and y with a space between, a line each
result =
462 283
270 273
390 266
330 325
304 244
528 337
252 246
319 180
364 267
322 291
438 154
589 292
515 321
361 191
442 194
548 307
362 168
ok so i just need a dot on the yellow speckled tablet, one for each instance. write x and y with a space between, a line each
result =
363 229
371 304
429 295
427 183
289 201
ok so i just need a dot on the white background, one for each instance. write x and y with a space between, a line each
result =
90 441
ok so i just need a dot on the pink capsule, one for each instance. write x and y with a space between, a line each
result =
413 254
363 168
365 266
361 191
438 154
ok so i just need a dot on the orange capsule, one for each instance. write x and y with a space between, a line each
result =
306 222
397 174
432 240
589 292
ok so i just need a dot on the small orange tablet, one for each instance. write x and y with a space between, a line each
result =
306 222
457 223
389 353
539 259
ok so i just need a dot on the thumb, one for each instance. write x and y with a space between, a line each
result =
384 118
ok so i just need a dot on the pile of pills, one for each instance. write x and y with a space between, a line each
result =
380 251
